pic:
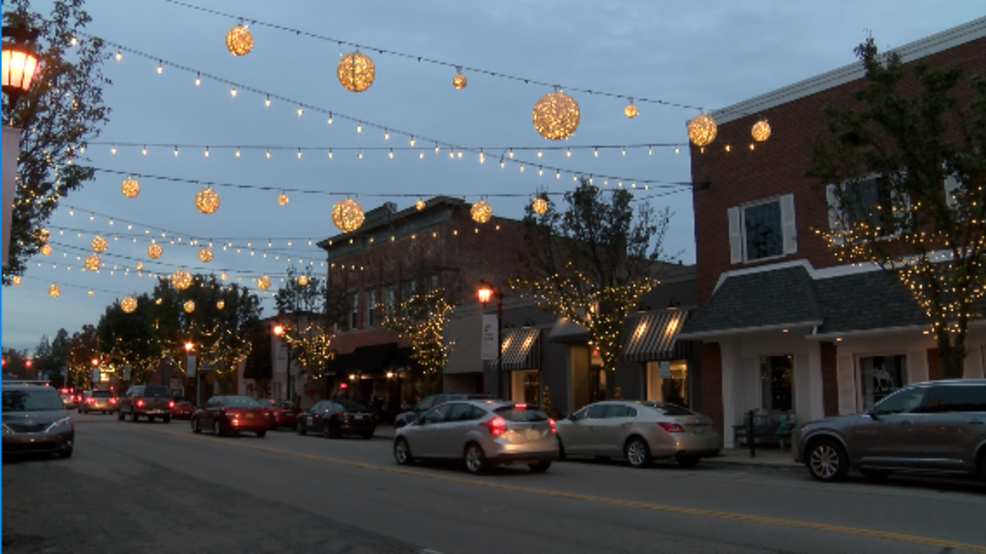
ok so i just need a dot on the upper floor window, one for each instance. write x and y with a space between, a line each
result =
371 308
389 300
762 230
354 310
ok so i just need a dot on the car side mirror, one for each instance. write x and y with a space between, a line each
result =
873 415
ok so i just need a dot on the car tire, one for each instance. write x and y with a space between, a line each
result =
133 417
637 452
561 450
827 461
150 419
65 453
685 460
195 426
540 467
261 434
166 419
299 428
402 452
119 415
326 430
875 474
475 459
217 429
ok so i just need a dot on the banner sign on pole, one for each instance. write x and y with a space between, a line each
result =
190 365
491 341
11 149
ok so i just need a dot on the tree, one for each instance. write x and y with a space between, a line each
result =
130 338
60 114
592 262
82 350
921 217
15 363
293 297
423 318
42 354
302 311
59 349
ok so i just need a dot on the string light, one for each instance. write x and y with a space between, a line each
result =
198 79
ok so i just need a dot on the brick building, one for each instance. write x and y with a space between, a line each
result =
785 328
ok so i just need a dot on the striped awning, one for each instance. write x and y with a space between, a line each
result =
521 349
655 338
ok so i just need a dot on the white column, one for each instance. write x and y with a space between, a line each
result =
810 404
729 356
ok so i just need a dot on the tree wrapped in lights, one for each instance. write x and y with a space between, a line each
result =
130 338
423 318
922 216
302 311
592 263
82 350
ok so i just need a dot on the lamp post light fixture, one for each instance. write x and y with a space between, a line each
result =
279 332
486 293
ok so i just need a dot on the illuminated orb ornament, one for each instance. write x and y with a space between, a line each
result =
481 211
239 40
140 266
90 293
16 280
54 290
189 306
556 115
222 276
356 72
205 254
263 282
207 200
154 250
93 262
419 205
46 250
540 205
302 280
347 215
128 304
459 81
43 234
131 188
181 279
221 304
98 244
282 199
630 111
702 130
760 131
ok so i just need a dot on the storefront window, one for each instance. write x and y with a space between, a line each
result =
881 376
672 388
777 382
524 386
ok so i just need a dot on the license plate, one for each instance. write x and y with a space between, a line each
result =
699 429
311 420
532 434
249 415
357 416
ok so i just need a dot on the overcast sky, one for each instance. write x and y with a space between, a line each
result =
707 54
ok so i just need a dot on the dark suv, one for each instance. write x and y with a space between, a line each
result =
150 401
936 426
430 402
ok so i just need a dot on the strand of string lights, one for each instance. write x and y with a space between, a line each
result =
460 68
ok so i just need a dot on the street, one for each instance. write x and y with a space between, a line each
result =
159 488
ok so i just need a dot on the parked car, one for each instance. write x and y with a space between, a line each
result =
639 432
283 413
482 433
183 408
148 401
935 426
35 419
430 402
101 401
334 418
228 415
68 398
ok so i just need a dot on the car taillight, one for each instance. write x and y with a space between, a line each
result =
90 400
112 400
140 403
171 404
497 426
671 427
520 406
554 428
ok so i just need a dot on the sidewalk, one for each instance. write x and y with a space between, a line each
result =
767 456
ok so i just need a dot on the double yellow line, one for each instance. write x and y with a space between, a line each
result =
845 530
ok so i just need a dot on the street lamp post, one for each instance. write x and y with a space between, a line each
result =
189 346
279 331
486 292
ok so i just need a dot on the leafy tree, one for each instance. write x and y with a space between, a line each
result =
82 350
423 318
302 311
59 349
60 114
923 136
42 354
592 262
15 363
294 297
130 338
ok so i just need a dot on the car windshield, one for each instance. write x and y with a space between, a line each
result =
241 402
521 415
353 407
669 409
41 400
153 391
102 394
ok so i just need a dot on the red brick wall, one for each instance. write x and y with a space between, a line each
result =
710 375
830 381
934 365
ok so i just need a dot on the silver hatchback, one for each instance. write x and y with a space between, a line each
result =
936 426
639 431
482 433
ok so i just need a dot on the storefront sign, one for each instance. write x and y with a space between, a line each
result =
490 338
664 369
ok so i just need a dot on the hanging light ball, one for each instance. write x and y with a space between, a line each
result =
128 304
98 244
154 250
131 187
630 111
302 280
181 279
46 250
702 130
140 266
222 275
347 215
356 72
282 199
221 304
540 205
16 280
459 81
90 292
43 234
205 254
54 290
189 306
207 200
158 301
263 282
556 115
481 211
419 205
760 131
93 262
239 40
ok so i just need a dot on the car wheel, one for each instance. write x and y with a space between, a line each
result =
133 417
195 426
827 461
150 419
540 467
402 452
300 428
261 434
119 415
326 430
561 450
166 419
875 474
475 459
216 428
65 453
637 452
687 461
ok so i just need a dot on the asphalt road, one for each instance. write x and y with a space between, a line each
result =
157 488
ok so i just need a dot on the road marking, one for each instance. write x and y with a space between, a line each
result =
846 530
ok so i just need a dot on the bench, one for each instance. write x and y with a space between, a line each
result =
767 429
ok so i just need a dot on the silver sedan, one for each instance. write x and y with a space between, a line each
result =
640 432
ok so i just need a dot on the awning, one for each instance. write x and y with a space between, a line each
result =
655 337
567 331
521 349
343 363
404 360
375 357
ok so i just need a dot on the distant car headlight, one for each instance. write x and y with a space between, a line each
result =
58 424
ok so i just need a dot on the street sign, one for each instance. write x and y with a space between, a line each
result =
664 369
490 337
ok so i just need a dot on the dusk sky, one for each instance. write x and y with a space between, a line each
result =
699 54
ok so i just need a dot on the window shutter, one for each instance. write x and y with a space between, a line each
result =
735 236
952 186
788 227
835 214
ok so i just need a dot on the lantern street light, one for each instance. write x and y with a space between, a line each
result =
191 366
485 293
279 331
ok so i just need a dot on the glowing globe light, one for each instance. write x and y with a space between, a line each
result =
99 244
128 304
419 205
181 279
189 306
760 131
356 72
16 280
302 280
205 254
221 304
43 234
46 250
131 187
702 130
207 200
93 262
154 250
239 40
630 111
282 199
556 115
347 215
459 81
263 282
540 205
481 211
54 290
140 266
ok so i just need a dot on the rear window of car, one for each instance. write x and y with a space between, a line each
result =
241 402
353 407
102 394
669 409
521 415
41 400
153 391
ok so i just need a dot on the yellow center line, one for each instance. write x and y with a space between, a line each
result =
846 530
